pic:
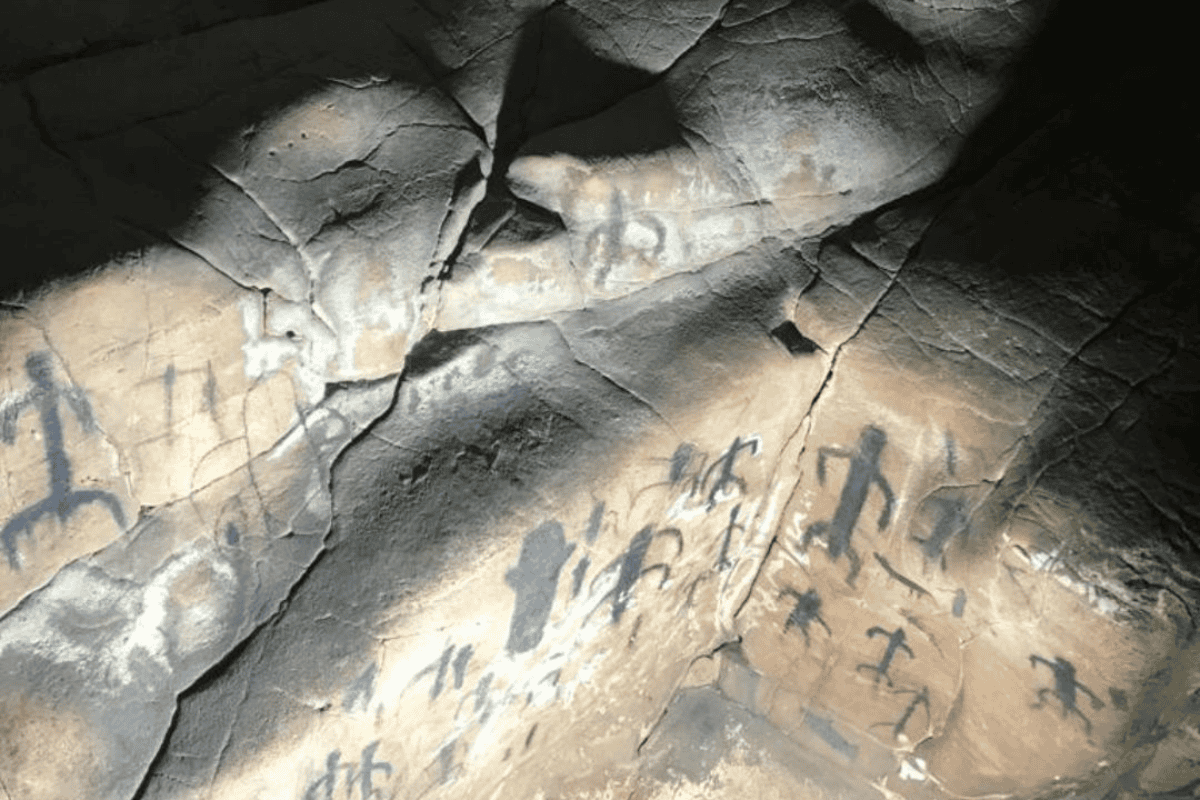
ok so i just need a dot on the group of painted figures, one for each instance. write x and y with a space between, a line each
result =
863 473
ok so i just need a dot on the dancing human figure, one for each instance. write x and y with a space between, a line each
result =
44 395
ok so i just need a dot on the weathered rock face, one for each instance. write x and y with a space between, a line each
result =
746 399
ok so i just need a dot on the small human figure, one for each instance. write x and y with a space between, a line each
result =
608 238
895 642
951 520
806 610
723 562
726 474
44 395
864 471
921 699
363 773
1065 685
630 569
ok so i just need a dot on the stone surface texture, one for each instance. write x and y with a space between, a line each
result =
576 399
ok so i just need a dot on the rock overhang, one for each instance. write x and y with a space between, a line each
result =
339 485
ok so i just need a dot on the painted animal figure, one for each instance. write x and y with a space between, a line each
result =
864 471
895 642
1065 685
806 611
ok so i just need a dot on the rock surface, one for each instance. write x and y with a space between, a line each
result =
698 399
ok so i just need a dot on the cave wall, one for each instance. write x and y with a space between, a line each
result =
567 400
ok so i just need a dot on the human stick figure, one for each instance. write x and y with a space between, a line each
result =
1065 685
895 642
723 467
920 698
806 611
864 471
44 395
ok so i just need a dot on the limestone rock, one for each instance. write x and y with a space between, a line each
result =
575 399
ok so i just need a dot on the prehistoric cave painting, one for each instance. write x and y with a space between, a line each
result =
950 515
461 661
895 643
806 611
910 584
609 237
578 574
723 562
960 603
725 475
920 698
482 686
711 482
595 521
210 390
630 569
680 460
361 690
44 395
864 471
1065 685
361 774
535 581
439 667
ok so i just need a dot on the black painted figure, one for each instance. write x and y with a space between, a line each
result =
1064 688
535 581
806 611
62 501
895 642
864 471
951 520
726 474
960 602
361 690
609 238
921 699
630 569
323 787
908 583
723 562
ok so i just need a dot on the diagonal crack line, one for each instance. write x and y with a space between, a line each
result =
262 652
98 50
50 143
289 237
171 241
439 79
716 23
806 425
164 748
620 386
